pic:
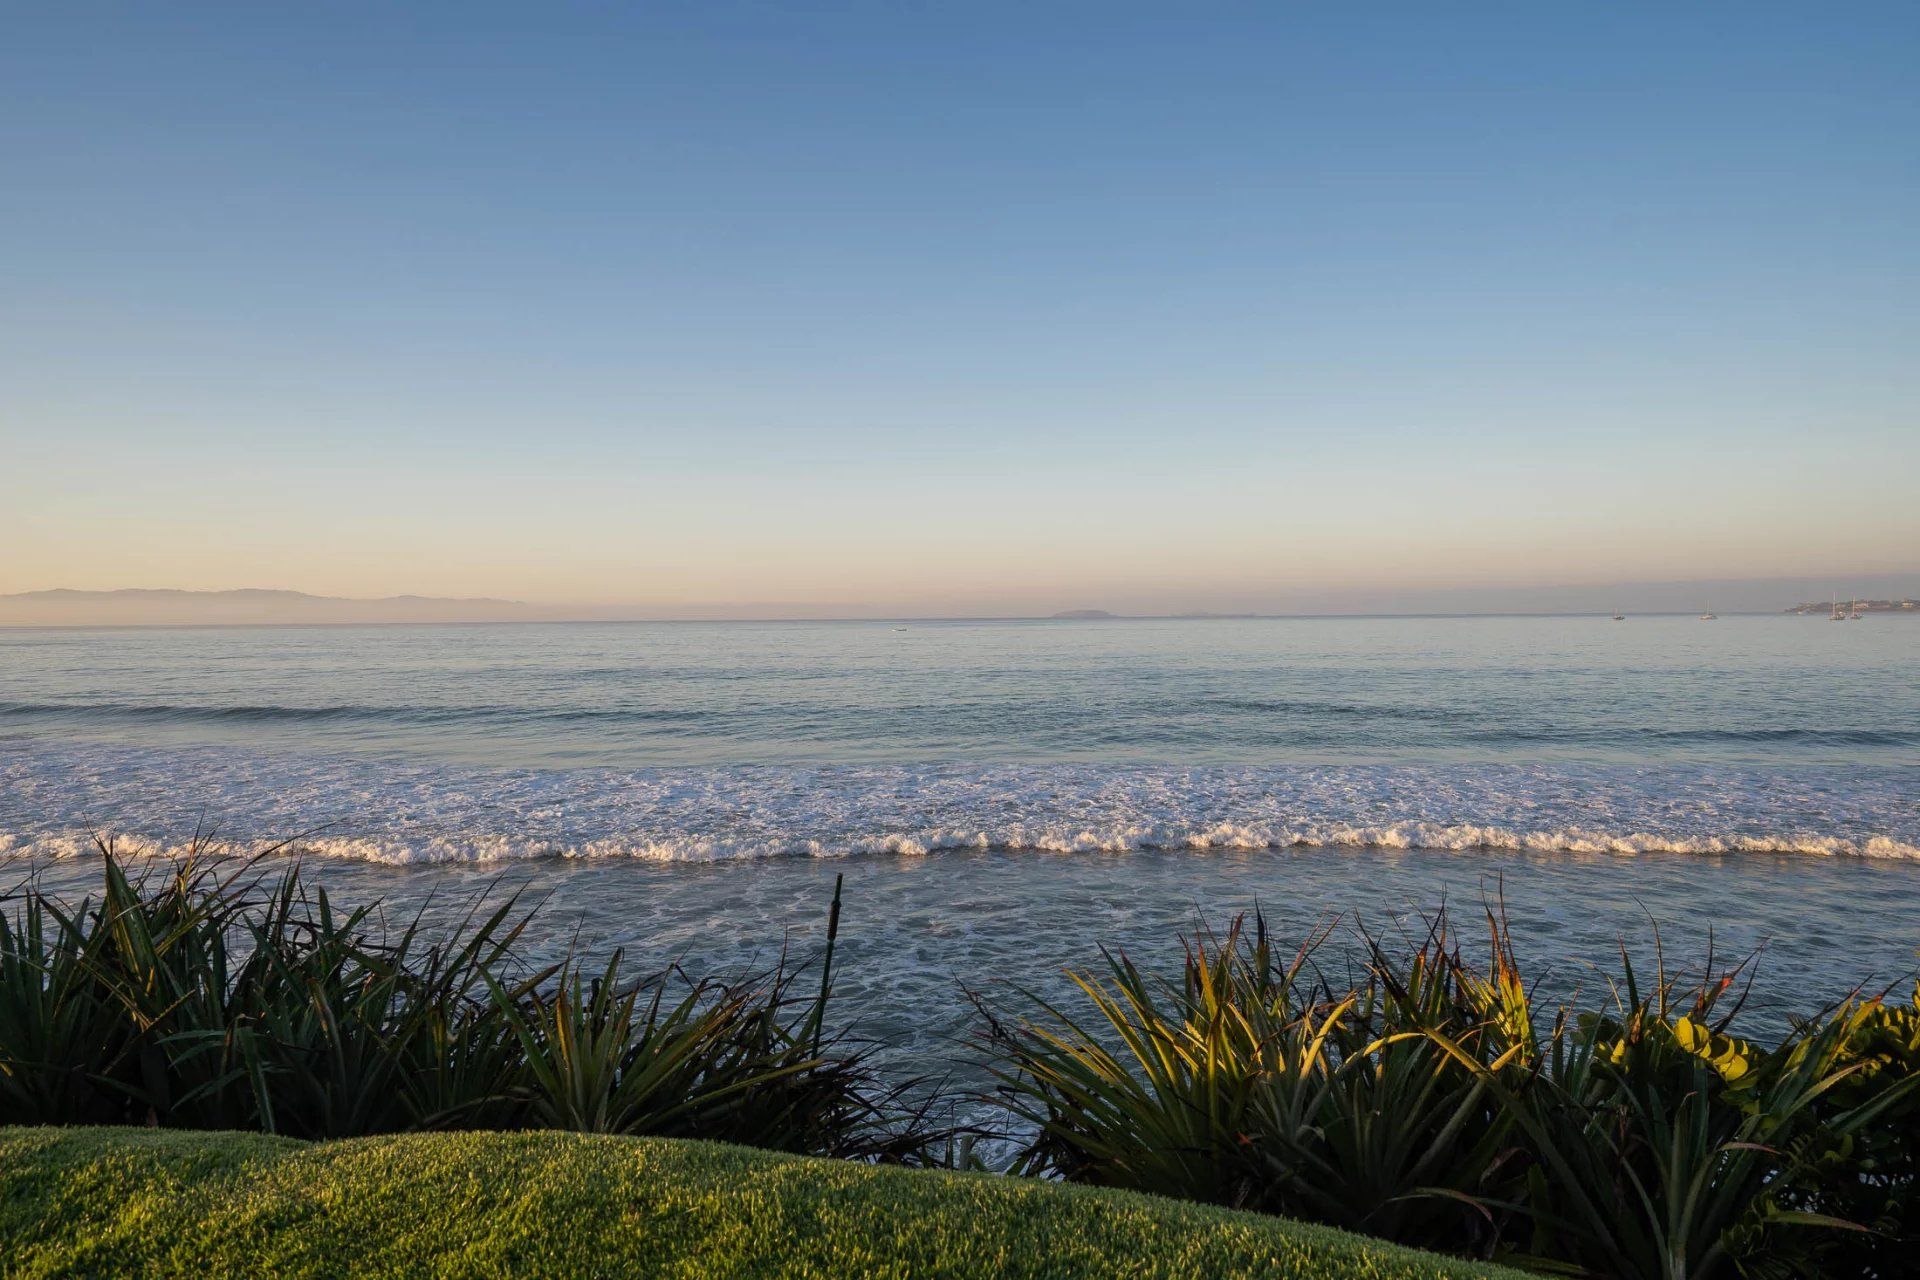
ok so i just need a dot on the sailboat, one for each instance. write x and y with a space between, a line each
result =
1619 617
1709 617
1853 611
1833 611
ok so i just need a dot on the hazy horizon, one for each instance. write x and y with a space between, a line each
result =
142 606
1000 311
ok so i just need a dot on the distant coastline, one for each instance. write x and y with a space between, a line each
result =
1864 606
145 607
162 607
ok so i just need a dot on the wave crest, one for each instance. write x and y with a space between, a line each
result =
1042 839
405 812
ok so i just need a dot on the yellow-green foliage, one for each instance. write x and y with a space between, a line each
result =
95 1202
1429 1102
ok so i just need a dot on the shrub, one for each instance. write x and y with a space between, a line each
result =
1424 1096
208 996
1432 1102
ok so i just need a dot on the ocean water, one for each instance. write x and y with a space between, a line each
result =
1006 796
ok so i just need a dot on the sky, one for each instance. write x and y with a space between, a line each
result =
959 308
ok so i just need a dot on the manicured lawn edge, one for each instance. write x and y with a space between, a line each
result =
139 1202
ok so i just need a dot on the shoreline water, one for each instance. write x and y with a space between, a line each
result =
55 797
710 779
698 809
502 852
913 930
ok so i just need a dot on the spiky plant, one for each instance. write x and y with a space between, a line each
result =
207 994
1428 1099
1250 1081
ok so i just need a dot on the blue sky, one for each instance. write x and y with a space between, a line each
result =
957 308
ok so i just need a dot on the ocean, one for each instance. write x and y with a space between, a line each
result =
1005 797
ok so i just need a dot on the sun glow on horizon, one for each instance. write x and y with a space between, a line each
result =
930 313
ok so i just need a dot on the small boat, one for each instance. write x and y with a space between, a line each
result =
1619 617
1833 611
1708 617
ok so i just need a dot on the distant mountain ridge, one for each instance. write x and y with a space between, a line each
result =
1877 592
136 606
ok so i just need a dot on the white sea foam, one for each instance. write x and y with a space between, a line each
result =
55 801
480 847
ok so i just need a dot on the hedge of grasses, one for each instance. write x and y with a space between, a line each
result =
1429 1100
1420 1094
210 996
95 1202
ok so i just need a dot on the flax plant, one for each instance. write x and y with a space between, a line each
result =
1249 1081
1433 1101
208 994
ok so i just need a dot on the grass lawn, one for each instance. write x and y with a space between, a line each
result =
139 1202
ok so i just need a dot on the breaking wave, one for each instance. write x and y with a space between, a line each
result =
480 847
53 802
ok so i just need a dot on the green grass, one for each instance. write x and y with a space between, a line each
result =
133 1202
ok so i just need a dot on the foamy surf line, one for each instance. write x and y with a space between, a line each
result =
505 849
53 802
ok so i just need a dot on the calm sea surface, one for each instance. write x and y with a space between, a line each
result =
1005 796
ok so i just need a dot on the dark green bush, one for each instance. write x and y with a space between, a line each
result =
1424 1096
1431 1102
1249 1082
208 996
